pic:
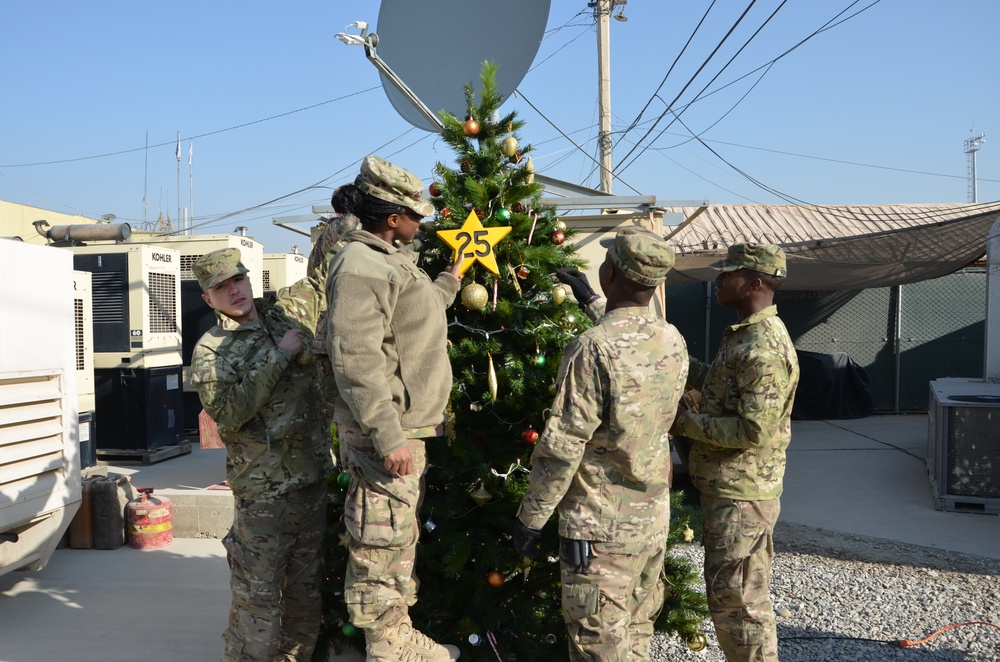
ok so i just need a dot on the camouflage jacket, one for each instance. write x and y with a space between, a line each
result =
331 240
604 457
743 425
266 405
387 338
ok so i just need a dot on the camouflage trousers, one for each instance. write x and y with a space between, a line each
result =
739 551
381 513
610 608
275 552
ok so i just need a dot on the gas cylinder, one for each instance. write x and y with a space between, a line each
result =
150 520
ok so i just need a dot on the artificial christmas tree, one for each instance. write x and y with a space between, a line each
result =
506 336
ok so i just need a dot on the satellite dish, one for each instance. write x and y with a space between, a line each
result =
437 46
107 218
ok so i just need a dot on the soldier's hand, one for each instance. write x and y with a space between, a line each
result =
399 462
577 281
294 341
455 269
526 540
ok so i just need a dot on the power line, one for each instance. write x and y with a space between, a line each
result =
201 135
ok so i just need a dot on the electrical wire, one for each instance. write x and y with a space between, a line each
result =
201 135
908 643
830 24
552 124
696 73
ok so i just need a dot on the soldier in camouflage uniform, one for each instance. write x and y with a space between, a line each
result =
387 342
737 458
604 459
265 400
330 240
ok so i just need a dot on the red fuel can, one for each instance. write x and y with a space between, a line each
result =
150 520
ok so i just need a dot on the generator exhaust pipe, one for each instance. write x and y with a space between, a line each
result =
84 232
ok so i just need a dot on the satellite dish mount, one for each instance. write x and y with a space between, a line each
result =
370 42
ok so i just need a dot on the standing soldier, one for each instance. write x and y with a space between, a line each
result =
387 341
604 458
266 402
737 458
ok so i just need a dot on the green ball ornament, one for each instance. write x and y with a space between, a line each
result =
343 480
538 360
349 630
503 214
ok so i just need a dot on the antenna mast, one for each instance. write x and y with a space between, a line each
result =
972 146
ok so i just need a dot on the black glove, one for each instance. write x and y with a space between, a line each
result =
526 540
576 553
577 281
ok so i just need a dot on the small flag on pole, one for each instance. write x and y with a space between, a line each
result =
190 153
177 152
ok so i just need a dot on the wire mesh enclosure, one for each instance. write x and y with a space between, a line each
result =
904 336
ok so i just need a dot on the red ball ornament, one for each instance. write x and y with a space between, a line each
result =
434 189
471 127
558 237
495 579
529 436
445 213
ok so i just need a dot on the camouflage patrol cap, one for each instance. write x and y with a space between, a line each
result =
388 182
642 256
765 258
212 268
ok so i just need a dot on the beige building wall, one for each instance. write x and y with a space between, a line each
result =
16 221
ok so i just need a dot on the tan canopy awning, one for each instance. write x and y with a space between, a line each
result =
837 247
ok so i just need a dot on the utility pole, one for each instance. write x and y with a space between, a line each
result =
972 146
602 11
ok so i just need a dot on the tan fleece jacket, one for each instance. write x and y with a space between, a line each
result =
387 341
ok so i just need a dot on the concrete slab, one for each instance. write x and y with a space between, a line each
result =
869 477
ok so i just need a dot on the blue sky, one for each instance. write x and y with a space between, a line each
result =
874 110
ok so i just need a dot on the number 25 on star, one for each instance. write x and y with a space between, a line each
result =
475 242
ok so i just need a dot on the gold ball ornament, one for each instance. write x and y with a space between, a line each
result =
558 295
474 296
495 579
568 321
509 146
471 127
697 642
560 225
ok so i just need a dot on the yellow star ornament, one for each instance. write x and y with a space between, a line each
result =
475 242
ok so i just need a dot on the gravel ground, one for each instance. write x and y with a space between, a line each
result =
843 597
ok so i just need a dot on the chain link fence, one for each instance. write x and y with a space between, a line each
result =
904 336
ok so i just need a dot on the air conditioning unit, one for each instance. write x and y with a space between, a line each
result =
283 269
83 312
963 445
137 345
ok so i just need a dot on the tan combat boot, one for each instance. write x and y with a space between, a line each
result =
391 648
427 648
